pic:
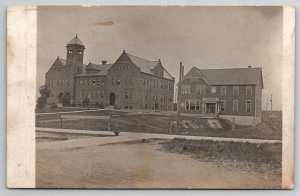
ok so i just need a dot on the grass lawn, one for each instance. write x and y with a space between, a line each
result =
259 157
270 128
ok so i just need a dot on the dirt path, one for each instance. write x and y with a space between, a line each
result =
139 165
127 136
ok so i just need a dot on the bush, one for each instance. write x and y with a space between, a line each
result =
53 105
42 100
86 101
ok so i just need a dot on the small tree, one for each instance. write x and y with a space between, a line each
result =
42 100
86 101
66 99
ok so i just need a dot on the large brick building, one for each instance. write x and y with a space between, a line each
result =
129 83
228 93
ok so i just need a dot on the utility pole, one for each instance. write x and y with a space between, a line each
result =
271 101
144 83
181 73
267 104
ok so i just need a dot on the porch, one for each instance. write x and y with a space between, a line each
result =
210 107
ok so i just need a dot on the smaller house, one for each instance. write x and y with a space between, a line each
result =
234 94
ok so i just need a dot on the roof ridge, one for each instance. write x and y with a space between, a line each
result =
231 68
138 57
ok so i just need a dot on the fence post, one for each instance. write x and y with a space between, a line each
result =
60 124
85 120
109 122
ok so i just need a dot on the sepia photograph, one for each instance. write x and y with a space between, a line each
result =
159 97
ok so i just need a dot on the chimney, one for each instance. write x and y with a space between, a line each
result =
249 66
181 72
104 62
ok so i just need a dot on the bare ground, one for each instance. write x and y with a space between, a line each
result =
142 165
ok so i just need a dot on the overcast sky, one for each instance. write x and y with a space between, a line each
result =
204 37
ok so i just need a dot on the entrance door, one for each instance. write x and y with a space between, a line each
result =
60 97
112 99
211 108
156 106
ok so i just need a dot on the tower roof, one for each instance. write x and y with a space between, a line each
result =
75 40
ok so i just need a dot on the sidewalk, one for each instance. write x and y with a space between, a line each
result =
127 136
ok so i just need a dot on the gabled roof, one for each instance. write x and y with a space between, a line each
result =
59 62
104 70
101 67
75 40
232 76
94 66
146 66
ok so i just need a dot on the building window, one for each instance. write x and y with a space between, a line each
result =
235 106
235 90
131 80
126 93
187 105
102 83
98 94
185 89
98 82
94 82
248 90
213 89
200 89
170 86
222 105
198 104
118 81
248 106
192 105
131 94
223 90
126 80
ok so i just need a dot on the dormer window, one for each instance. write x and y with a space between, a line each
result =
213 89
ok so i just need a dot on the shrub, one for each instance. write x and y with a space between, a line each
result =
53 105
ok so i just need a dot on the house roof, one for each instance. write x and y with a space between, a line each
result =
103 68
94 66
146 65
75 40
232 76
59 62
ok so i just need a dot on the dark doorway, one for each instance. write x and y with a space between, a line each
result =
211 108
60 97
66 99
112 99
156 106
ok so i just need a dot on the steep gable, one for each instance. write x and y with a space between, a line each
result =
58 62
144 65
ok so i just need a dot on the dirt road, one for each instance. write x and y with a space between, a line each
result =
140 165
